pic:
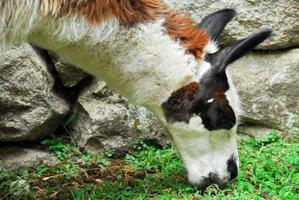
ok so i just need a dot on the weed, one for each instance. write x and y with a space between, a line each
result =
269 170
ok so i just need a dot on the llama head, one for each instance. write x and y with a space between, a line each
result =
202 115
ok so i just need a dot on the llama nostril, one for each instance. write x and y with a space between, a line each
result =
206 182
214 177
232 167
218 181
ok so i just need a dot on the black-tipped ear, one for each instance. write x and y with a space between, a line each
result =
215 23
229 54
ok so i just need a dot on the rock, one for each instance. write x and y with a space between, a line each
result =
14 157
19 188
268 84
255 130
107 122
30 109
280 15
69 75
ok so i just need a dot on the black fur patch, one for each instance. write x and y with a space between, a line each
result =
209 101
232 167
185 103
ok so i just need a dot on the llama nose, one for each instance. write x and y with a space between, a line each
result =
213 178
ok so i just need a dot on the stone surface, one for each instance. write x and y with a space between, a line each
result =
107 122
29 107
280 15
256 130
14 157
69 75
269 88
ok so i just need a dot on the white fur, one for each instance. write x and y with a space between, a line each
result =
211 47
233 98
142 63
203 151
17 18
136 61
204 67
211 100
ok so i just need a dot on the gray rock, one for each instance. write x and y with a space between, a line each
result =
280 15
19 188
268 84
29 107
107 122
256 130
14 157
69 75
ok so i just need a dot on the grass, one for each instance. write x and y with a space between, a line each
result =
269 170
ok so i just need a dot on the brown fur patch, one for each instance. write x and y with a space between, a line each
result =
191 37
187 90
128 12
187 102
219 96
131 12
179 104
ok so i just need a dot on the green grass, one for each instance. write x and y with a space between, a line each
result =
269 170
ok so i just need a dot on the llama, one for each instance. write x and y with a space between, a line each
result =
157 58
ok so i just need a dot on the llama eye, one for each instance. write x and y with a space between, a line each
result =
207 57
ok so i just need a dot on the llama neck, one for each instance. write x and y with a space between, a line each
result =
142 63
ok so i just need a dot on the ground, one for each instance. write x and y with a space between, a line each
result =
269 170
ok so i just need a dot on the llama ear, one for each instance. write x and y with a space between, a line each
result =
227 55
215 23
